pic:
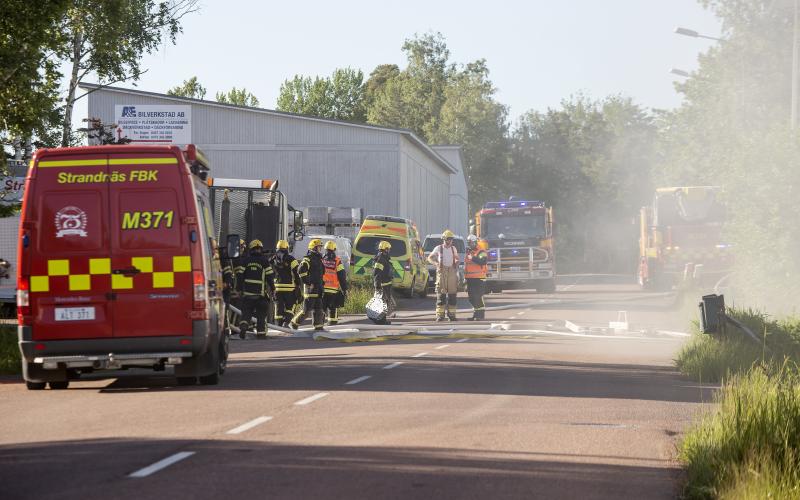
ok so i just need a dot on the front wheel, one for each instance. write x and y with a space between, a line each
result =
59 385
35 386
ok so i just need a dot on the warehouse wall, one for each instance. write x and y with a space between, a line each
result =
459 194
424 190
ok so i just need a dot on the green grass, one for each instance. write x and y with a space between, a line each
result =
9 350
356 300
710 359
750 445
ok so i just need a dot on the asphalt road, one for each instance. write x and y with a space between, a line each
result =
573 410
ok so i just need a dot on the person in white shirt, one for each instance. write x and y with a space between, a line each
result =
445 257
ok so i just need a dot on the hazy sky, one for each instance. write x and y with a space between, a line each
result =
538 51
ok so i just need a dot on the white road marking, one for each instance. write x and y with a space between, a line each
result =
419 354
358 380
445 346
393 365
311 399
161 464
249 425
461 340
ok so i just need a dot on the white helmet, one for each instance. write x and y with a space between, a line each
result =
472 241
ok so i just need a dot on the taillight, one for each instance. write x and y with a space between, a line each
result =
23 299
199 299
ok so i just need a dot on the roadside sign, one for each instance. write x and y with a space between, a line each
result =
154 123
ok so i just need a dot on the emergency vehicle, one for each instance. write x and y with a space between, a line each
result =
117 266
519 237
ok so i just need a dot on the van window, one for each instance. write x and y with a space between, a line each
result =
71 221
431 243
148 219
369 245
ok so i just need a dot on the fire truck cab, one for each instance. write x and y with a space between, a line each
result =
118 267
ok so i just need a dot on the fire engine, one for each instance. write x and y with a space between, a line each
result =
679 232
519 238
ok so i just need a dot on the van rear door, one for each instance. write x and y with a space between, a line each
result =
150 250
66 259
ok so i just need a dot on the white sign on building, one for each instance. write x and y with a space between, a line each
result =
154 123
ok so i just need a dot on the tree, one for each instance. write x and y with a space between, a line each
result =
109 38
240 97
29 76
189 88
340 96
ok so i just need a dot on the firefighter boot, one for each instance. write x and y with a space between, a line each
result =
243 327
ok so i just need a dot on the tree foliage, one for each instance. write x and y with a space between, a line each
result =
189 88
340 96
239 97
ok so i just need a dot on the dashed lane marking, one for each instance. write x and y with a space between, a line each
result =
161 464
459 341
358 380
393 365
419 354
249 425
311 399
445 346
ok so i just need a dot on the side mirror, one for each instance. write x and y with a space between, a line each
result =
232 246
298 235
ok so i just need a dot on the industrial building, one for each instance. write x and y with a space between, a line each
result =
318 162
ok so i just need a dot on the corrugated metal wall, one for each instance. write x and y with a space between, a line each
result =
459 194
425 190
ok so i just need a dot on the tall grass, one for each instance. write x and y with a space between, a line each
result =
356 300
9 350
751 444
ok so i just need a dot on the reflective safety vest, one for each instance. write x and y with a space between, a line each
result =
332 270
475 264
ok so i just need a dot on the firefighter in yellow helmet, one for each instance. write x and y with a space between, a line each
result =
445 258
382 276
335 283
287 283
256 286
312 273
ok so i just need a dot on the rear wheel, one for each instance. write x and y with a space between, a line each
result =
35 386
409 294
59 385
212 379
183 381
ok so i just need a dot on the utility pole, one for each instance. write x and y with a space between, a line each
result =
795 64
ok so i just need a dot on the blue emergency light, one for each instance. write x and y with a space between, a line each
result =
514 204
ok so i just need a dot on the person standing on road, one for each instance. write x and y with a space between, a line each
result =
287 283
335 283
312 273
255 283
445 258
382 276
475 274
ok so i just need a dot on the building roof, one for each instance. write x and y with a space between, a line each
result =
92 87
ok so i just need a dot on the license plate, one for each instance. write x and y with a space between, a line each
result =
74 313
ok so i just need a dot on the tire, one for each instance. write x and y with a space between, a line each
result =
409 294
224 350
185 381
59 385
35 386
212 379
424 292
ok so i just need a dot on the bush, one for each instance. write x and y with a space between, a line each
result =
356 301
9 350
752 442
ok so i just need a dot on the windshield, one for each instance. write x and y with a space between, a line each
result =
369 245
431 243
512 227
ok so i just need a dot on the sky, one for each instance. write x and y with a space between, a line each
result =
538 51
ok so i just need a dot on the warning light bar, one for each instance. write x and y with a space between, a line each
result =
514 204
243 183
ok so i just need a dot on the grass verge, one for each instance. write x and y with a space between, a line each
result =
750 446
9 350
356 300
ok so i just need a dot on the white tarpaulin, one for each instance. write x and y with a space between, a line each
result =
154 123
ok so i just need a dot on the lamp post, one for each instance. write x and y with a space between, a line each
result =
695 34
680 72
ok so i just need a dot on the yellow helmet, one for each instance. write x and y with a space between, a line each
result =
330 245
316 242
448 234
282 245
255 244
384 245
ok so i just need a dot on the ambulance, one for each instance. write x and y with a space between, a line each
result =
117 266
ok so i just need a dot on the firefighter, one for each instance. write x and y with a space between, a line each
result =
237 268
475 274
445 258
382 276
286 283
256 285
335 283
311 272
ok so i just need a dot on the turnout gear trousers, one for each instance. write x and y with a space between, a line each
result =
311 271
476 288
446 292
255 283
